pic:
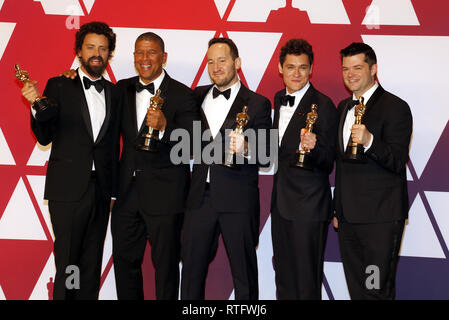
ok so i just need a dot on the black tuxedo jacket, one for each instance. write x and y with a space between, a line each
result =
377 190
300 194
73 148
232 190
162 185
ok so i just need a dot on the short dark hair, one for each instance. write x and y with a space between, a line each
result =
229 42
296 47
357 48
151 36
97 28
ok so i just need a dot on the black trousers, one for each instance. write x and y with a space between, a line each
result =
131 227
201 231
79 229
370 254
298 257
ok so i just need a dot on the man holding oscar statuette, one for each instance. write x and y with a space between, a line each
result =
153 189
224 199
301 196
371 200
81 172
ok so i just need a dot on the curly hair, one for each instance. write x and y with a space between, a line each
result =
97 28
296 47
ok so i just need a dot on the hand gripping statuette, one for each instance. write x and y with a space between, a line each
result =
304 157
149 139
355 152
45 110
241 119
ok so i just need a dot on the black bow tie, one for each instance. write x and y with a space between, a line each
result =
287 100
99 85
226 93
149 87
352 103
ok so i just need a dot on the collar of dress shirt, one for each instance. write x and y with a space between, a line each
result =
298 94
157 82
82 74
234 90
367 95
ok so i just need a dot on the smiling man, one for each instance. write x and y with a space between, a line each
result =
301 199
152 190
223 200
83 161
371 200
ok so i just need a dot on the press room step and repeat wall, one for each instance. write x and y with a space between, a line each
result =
410 37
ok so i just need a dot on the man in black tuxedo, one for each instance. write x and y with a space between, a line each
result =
84 156
301 199
152 189
223 200
371 200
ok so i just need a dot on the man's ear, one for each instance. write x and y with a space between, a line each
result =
238 63
374 70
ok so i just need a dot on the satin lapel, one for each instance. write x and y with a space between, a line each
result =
132 107
201 97
277 107
107 118
341 124
376 95
297 122
239 102
83 106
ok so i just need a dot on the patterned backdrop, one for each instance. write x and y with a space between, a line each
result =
410 37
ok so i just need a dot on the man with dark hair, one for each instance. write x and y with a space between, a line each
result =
223 200
301 199
153 190
371 200
83 161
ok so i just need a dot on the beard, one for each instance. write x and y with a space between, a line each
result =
94 71
225 81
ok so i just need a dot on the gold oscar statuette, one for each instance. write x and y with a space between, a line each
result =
355 152
241 119
149 139
45 110
303 158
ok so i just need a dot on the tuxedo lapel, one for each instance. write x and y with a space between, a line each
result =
237 106
277 107
341 124
108 101
372 101
132 107
201 97
297 122
83 105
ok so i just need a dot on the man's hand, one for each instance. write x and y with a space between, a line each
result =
335 223
237 143
69 74
156 119
30 91
361 135
308 140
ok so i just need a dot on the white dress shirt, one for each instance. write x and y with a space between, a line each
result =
350 117
217 109
286 112
96 104
143 101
